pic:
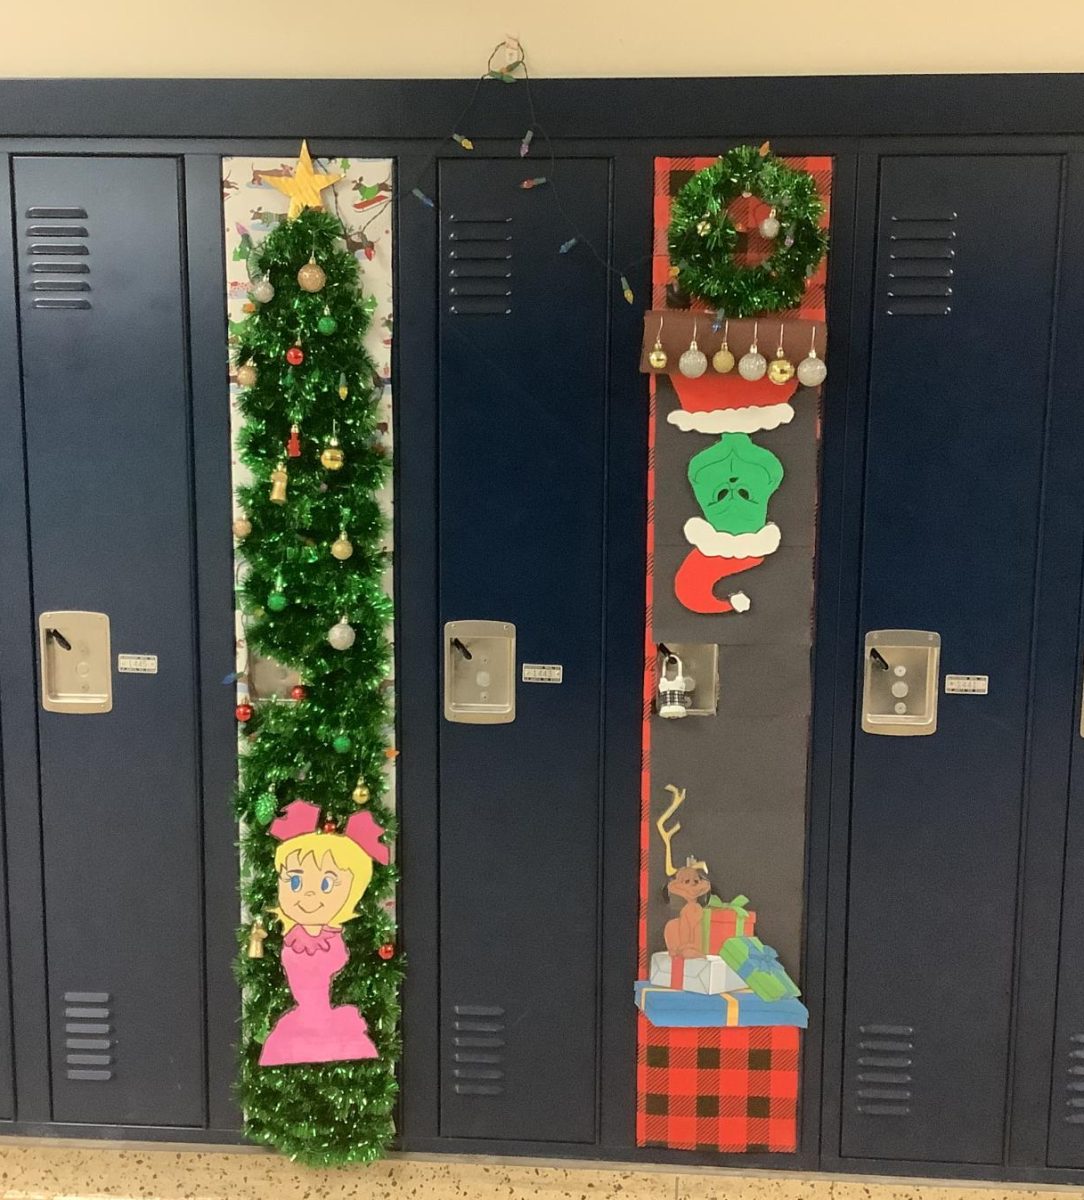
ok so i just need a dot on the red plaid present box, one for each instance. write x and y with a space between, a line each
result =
733 1091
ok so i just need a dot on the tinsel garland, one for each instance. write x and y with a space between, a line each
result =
703 237
337 1112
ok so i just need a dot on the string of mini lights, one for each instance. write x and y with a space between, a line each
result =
516 72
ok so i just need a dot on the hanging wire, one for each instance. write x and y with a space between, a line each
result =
576 235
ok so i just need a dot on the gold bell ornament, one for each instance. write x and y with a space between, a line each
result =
256 936
311 277
657 357
723 358
360 794
278 484
780 369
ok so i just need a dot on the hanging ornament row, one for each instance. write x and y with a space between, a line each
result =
752 366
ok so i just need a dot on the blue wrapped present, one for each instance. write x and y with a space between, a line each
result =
668 1008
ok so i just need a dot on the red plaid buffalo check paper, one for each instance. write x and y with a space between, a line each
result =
730 1090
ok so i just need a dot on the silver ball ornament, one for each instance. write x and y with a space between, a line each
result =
752 365
341 635
811 370
769 227
262 291
693 362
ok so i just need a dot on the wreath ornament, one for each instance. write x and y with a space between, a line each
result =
703 238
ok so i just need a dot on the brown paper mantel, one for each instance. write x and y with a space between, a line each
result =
677 332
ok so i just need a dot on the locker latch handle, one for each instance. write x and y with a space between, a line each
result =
879 659
462 649
54 635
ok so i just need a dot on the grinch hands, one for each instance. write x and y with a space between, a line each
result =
732 481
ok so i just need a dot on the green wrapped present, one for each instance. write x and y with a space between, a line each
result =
722 920
759 967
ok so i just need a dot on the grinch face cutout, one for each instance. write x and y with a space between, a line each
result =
733 482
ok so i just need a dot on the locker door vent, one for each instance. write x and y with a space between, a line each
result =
478 1069
57 247
88 1036
884 1062
480 275
1074 1085
920 269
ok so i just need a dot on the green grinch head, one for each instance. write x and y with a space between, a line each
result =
733 482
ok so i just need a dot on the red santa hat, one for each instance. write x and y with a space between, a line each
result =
721 404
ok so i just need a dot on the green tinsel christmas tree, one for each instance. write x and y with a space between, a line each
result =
312 544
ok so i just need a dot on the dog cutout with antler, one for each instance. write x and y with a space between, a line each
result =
689 883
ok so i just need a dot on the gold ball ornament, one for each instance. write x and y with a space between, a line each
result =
723 360
246 375
703 228
780 370
242 527
360 794
332 457
311 277
342 547
657 358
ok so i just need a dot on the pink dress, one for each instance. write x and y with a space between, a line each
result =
315 1031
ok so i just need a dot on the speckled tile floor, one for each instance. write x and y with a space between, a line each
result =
32 1169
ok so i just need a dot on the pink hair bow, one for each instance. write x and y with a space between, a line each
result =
300 817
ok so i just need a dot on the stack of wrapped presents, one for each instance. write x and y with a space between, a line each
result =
738 981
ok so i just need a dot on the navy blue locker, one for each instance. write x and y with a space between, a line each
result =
101 294
966 268
522 395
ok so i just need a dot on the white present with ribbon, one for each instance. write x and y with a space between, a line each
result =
709 975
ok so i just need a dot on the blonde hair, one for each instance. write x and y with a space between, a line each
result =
346 854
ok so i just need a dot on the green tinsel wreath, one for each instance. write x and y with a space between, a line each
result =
703 237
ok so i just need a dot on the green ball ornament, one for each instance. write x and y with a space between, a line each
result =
327 325
341 744
265 808
276 602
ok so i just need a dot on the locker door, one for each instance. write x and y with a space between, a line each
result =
957 408
105 385
522 453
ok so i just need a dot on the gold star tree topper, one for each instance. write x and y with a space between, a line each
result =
305 185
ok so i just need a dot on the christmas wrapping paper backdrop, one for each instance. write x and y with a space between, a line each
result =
251 209
744 769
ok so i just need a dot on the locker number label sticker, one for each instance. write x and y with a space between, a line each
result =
967 685
137 664
543 673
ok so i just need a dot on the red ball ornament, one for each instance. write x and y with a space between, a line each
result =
295 356
387 951
297 692
330 827
243 712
